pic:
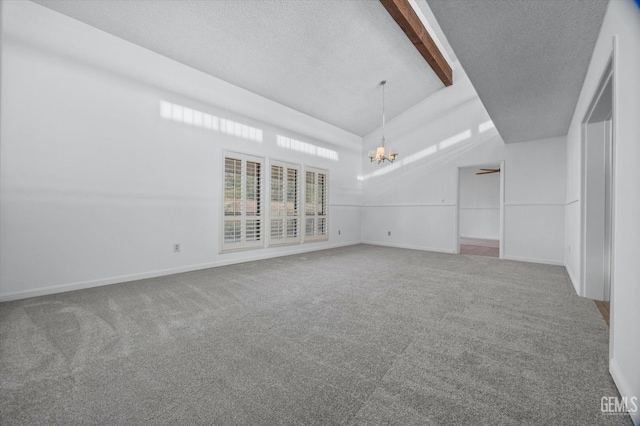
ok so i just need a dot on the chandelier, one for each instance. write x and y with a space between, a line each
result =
379 154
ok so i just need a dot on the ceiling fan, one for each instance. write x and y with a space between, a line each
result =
488 171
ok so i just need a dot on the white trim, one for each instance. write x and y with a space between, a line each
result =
535 260
581 243
607 73
535 204
456 216
623 387
480 237
410 205
410 247
456 232
264 254
394 205
614 168
501 246
479 208
574 282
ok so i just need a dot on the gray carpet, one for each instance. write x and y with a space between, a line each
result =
356 335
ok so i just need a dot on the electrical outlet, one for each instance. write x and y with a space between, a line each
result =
176 248
569 249
389 233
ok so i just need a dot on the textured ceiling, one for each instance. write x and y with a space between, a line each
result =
527 59
321 57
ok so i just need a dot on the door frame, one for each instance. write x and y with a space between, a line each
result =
456 236
608 74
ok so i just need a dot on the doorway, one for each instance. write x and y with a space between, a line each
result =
480 210
597 205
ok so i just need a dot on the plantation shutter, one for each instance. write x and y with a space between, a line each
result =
322 204
293 214
316 205
284 212
242 203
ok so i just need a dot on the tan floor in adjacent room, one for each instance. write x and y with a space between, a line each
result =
480 247
604 308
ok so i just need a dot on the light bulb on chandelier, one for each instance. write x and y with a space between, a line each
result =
379 154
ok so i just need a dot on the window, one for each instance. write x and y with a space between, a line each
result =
242 216
284 218
316 215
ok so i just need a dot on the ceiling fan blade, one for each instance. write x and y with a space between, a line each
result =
487 173
491 170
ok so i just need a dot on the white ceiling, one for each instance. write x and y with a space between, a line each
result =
321 57
527 59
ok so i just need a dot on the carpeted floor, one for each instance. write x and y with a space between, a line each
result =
356 335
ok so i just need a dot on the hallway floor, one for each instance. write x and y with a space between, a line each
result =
604 308
480 247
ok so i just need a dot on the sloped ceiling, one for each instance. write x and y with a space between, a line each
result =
527 59
321 57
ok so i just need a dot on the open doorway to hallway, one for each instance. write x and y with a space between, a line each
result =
598 153
479 210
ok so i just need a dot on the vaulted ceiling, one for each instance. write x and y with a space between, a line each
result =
527 59
321 57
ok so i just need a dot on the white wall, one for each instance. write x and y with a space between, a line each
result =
622 20
96 186
479 212
415 198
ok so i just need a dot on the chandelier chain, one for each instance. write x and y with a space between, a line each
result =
383 116
379 154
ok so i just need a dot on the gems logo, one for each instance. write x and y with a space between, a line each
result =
622 405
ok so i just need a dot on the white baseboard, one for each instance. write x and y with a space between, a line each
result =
535 260
573 280
42 291
452 251
407 246
624 388
475 237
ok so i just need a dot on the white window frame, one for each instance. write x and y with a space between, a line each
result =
315 208
247 222
285 214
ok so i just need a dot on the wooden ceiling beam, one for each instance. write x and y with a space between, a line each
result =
402 12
